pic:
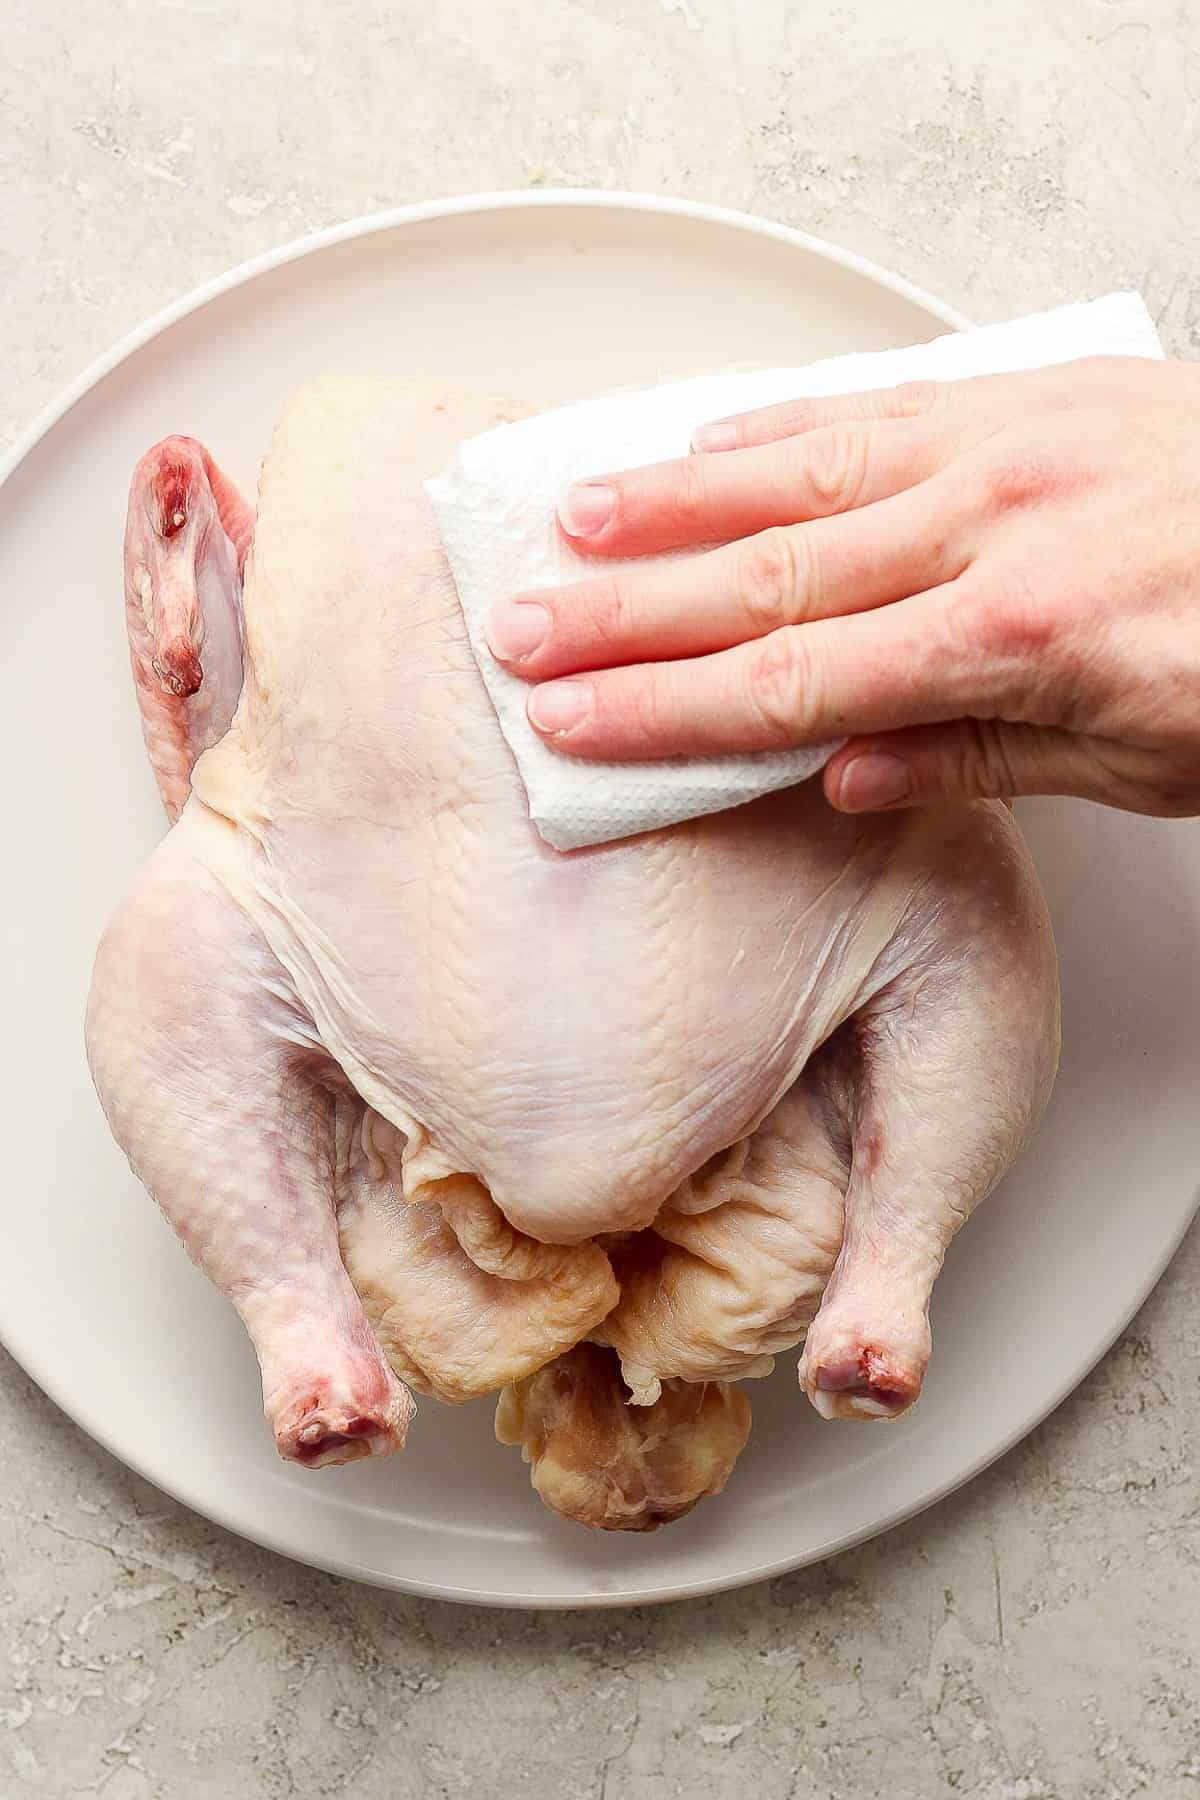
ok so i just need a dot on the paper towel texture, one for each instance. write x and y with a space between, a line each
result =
495 509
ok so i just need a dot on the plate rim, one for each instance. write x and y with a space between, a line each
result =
419 212
240 275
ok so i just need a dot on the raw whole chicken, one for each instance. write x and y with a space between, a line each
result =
441 1109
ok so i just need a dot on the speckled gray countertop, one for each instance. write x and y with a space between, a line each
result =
1037 1637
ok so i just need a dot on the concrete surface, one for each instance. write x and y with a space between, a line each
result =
1036 1637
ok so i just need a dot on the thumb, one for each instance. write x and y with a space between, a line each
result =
981 759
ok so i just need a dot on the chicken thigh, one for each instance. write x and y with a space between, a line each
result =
435 1104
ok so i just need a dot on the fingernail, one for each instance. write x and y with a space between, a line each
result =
715 437
558 706
516 628
586 508
873 780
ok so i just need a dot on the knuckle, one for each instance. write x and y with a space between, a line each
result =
690 488
1018 477
796 417
612 613
646 712
913 399
1011 619
640 707
781 688
834 465
773 577
984 767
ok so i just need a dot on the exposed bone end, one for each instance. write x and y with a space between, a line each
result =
322 1427
867 1384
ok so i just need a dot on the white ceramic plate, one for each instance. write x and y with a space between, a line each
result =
544 296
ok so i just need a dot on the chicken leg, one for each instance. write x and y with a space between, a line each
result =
830 1223
939 1079
209 1074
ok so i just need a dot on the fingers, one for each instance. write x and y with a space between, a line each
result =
981 759
767 424
800 685
706 500
961 401
783 576
968 759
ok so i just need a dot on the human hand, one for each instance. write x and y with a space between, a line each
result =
992 587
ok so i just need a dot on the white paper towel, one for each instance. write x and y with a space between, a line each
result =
495 508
